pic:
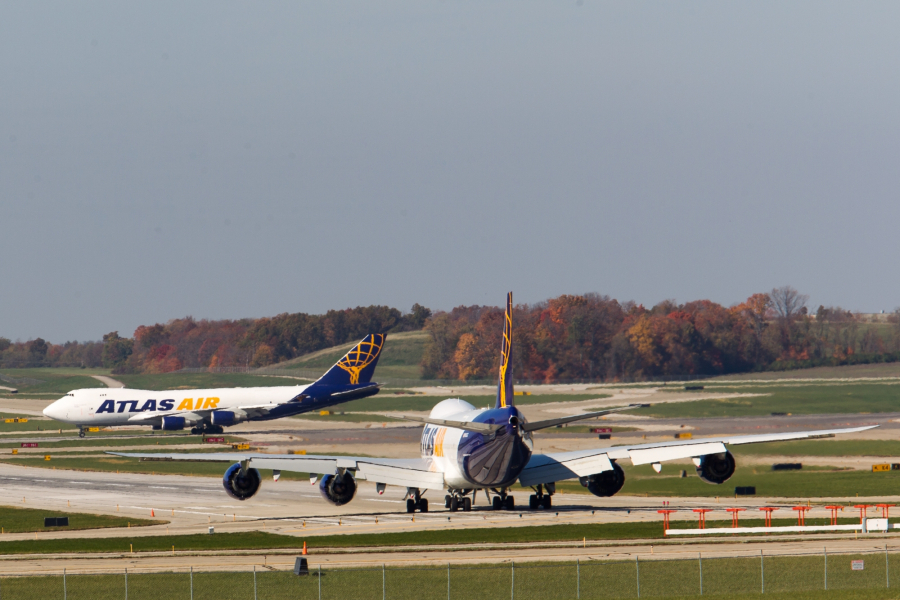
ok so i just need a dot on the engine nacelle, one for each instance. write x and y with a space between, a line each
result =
241 486
605 484
172 423
225 417
716 468
338 489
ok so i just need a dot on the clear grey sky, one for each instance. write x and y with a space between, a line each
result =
242 159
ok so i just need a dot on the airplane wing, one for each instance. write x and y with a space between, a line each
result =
548 468
413 472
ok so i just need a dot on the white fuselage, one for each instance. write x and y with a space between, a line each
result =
123 406
441 444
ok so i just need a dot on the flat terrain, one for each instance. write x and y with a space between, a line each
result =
270 527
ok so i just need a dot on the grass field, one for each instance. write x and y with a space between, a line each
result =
830 447
19 520
147 440
808 483
119 464
262 540
784 578
33 424
346 417
838 398
54 381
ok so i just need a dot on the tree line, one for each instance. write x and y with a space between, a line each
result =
594 337
187 342
571 337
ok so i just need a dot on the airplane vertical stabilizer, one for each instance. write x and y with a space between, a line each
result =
505 391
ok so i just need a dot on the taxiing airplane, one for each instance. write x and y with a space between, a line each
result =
209 410
465 449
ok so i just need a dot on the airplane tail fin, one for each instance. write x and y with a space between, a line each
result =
505 393
358 365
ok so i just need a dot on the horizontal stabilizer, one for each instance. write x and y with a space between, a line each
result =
536 425
464 425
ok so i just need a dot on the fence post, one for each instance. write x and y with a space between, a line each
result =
448 581
887 569
762 573
126 583
320 582
825 553
577 579
192 582
254 583
512 589
700 559
637 569
65 592
383 585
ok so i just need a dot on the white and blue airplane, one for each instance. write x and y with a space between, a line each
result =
465 449
209 410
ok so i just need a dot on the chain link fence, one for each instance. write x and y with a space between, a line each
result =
640 578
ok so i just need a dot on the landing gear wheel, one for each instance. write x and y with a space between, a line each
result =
510 504
467 504
454 504
497 503
447 501
81 433
546 502
423 505
410 505
195 431
532 502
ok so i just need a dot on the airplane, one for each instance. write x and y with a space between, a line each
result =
465 449
210 410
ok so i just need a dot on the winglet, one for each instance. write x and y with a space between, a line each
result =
505 392
358 365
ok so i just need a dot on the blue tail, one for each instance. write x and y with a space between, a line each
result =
357 366
505 393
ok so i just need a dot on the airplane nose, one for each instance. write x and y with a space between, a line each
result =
54 411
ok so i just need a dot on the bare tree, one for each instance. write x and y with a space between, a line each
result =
788 302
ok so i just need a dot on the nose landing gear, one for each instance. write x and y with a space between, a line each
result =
81 433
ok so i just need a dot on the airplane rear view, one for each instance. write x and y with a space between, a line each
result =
465 450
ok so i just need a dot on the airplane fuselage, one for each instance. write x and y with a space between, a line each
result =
475 460
123 406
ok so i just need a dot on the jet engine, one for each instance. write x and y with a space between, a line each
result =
172 423
606 483
227 417
241 486
338 489
716 468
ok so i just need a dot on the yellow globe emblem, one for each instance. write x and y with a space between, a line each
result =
362 356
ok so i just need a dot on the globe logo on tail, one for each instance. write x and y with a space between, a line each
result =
361 356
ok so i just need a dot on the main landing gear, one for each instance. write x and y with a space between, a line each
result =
503 501
456 500
416 502
206 429
540 499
